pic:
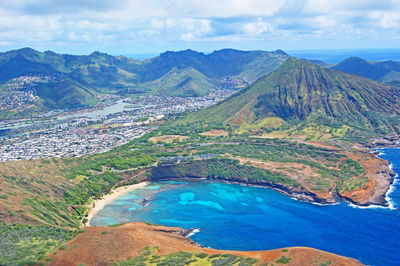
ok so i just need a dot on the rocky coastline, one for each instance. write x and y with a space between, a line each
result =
384 178
294 193
301 195
388 141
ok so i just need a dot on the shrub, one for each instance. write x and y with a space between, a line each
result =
283 260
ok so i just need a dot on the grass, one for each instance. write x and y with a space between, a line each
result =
268 123
149 256
283 260
25 244
215 133
167 138
116 225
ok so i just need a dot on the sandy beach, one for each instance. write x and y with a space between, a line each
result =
99 204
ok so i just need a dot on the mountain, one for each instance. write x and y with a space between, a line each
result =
183 73
387 71
218 64
317 62
65 94
20 65
299 93
176 82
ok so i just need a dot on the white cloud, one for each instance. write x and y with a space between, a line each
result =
256 28
85 22
386 20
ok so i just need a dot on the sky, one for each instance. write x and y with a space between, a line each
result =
154 26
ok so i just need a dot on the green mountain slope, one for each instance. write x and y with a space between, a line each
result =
222 63
299 93
108 72
185 73
263 65
176 82
20 65
387 71
65 94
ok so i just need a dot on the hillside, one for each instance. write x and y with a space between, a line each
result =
20 66
185 73
65 94
387 71
227 62
302 94
178 82
162 245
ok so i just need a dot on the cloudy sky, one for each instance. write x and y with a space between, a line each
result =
152 26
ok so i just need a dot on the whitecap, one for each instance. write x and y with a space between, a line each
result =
194 231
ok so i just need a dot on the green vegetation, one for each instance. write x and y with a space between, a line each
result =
186 73
149 257
93 176
283 260
387 72
25 244
326 263
299 94
178 82
221 169
66 94
116 225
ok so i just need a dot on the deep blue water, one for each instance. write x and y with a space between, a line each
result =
249 218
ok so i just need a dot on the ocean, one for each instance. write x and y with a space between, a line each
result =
236 217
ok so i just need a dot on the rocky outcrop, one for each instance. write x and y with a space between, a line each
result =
383 179
385 142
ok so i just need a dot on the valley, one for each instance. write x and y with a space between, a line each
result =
113 122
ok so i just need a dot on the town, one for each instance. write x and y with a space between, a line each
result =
97 129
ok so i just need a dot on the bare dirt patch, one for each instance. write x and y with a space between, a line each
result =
215 133
296 171
105 245
167 138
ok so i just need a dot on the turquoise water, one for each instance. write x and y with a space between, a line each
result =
249 218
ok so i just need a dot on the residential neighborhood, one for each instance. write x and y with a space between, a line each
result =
97 129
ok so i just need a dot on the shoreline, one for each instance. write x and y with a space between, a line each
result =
304 196
99 204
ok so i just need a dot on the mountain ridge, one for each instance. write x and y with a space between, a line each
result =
103 73
385 71
299 92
